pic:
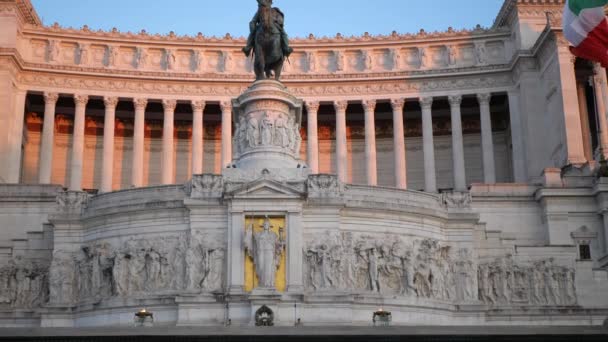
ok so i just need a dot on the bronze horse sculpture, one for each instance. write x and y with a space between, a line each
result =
268 41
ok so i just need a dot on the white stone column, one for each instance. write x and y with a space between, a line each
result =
584 111
313 136
15 140
487 143
168 159
572 120
520 173
78 142
460 182
341 148
197 136
137 166
599 81
369 107
236 254
430 180
295 281
108 143
226 134
48 138
399 144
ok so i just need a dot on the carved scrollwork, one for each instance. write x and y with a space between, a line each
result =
323 185
457 200
71 202
207 185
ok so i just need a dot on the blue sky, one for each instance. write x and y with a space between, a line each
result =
320 17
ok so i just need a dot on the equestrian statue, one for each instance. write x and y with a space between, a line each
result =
268 41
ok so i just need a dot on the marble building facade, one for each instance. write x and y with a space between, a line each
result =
403 171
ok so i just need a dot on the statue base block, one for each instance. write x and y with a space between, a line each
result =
265 294
267 120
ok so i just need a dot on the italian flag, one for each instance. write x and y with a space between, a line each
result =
586 28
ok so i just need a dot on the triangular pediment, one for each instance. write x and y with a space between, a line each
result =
266 188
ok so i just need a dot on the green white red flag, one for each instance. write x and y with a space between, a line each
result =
586 28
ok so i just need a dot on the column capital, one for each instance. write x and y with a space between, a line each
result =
140 103
426 102
198 105
369 105
169 105
397 104
484 98
340 106
312 106
226 106
80 99
110 101
455 100
50 98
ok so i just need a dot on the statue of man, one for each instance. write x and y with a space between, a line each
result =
266 5
265 248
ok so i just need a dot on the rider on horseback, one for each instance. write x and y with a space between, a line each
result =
277 26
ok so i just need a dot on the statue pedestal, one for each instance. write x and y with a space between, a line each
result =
267 120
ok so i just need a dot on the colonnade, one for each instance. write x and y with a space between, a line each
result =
198 106
397 104
137 162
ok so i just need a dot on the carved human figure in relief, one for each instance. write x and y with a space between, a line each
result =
480 54
339 61
253 132
112 56
227 59
267 130
170 59
312 61
54 51
197 60
265 248
396 55
372 260
423 56
281 130
452 55
141 58
368 60
242 134
84 54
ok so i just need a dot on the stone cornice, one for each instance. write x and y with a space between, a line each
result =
508 9
311 41
25 10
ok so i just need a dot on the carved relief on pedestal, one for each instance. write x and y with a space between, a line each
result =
101 270
267 125
24 283
390 265
205 263
504 281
